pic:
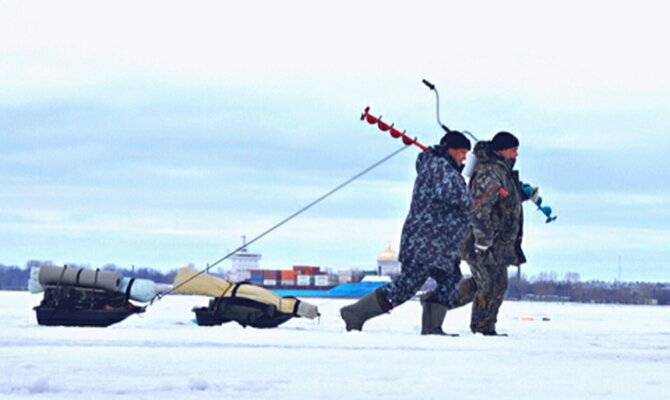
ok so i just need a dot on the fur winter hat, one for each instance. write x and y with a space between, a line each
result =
455 140
503 141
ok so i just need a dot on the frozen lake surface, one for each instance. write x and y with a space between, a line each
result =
554 351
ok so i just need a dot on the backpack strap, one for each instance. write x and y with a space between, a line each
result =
237 287
130 285
95 284
60 278
76 280
233 294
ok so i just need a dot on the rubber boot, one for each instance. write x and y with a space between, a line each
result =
370 306
485 329
432 317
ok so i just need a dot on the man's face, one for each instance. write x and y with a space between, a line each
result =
510 153
458 155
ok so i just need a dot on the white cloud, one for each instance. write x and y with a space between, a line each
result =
583 56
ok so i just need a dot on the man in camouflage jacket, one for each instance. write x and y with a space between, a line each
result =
493 241
431 236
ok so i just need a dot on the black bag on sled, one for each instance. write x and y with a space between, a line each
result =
244 311
71 306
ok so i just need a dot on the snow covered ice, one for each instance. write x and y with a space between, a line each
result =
554 351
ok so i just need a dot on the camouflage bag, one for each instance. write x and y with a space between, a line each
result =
79 299
248 312
243 310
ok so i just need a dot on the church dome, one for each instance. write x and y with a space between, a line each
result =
388 255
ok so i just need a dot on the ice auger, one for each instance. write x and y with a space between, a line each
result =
407 140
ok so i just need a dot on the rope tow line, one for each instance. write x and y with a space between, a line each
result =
307 207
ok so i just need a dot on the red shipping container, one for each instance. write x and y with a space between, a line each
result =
271 274
306 269
287 275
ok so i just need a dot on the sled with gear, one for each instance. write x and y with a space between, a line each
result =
246 312
85 297
243 302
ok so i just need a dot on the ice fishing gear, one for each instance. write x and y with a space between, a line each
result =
76 306
471 161
137 289
437 111
383 126
242 302
81 297
537 200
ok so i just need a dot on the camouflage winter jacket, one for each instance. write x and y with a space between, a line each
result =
497 217
438 215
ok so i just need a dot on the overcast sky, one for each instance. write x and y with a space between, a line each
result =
156 134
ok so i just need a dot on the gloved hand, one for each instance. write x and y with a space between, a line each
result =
307 310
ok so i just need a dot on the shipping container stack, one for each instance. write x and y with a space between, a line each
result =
344 276
271 277
321 279
256 277
301 277
305 275
288 277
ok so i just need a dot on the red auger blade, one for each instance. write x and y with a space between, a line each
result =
395 133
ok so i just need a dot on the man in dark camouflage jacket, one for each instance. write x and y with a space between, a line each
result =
431 236
493 241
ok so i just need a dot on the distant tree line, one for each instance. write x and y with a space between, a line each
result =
547 287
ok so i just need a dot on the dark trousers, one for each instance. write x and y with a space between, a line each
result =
412 278
486 290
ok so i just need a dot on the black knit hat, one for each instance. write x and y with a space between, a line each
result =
455 140
503 141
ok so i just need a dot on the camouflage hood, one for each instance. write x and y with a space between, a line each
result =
485 155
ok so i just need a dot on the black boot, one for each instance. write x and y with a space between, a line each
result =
433 316
489 332
370 306
493 333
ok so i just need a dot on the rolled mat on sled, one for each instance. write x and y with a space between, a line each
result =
138 289
85 278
